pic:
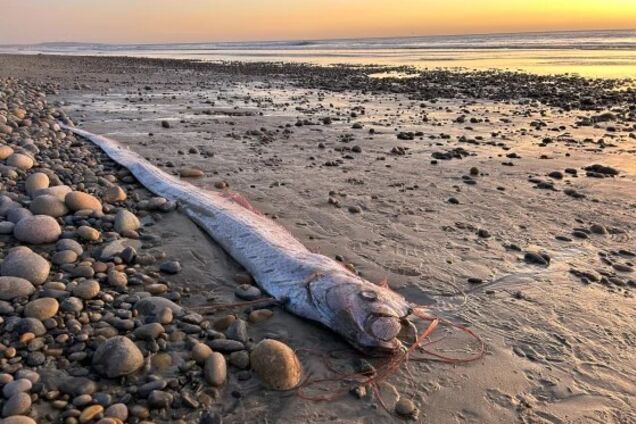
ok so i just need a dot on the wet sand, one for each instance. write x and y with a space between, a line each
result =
451 195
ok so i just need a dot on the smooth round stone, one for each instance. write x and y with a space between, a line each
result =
149 331
64 257
191 172
5 152
28 374
22 262
48 205
35 182
13 287
78 200
215 369
260 315
42 309
114 194
20 161
90 413
117 410
6 227
59 191
224 345
276 364
86 289
405 407
201 352
30 325
240 359
88 233
117 356
126 221
18 386
159 399
247 292
18 404
117 279
18 419
15 215
38 229
69 244
78 386
72 305
153 305
170 267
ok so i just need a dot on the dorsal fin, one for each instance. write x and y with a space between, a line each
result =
242 201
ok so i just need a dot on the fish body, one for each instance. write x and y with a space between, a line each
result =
307 284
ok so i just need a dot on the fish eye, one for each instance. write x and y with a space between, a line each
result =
369 295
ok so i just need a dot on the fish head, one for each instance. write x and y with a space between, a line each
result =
370 317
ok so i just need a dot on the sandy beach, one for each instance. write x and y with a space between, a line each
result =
503 202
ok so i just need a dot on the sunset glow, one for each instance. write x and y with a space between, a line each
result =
155 21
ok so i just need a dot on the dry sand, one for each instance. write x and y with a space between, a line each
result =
558 349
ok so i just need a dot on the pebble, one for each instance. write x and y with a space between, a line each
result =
24 263
405 407
224 345
160 400
276 364
170 267
18 419
117 410
17 386
20 161
5 152
87 289
149 331
14 287
38 229
69 244
240 359
260 315
42 309
248 292
90 413
126 221
78 200
64 257
48 205
35 182
18 404
117 356
215 369
191 172
201 352
88 233
114 194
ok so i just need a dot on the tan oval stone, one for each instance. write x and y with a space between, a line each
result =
5 152
90 413
114 194
276 364
41 309
20 161
201 352
78 200
37 181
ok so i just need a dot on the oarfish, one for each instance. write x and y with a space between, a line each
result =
307 284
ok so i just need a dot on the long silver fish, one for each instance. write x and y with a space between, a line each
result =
310 285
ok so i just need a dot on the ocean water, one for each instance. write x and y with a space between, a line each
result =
602 54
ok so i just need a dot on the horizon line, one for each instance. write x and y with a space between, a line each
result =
324 39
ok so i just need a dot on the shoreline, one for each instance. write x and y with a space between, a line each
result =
442 192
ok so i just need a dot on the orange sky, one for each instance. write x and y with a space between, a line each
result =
120 21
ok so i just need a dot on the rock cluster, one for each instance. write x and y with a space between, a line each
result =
90 326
